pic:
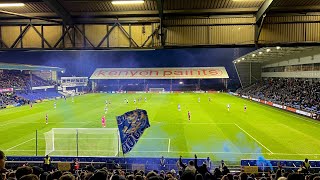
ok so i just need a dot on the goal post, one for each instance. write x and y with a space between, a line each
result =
82 142
156 89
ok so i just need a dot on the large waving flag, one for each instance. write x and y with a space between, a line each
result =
131 127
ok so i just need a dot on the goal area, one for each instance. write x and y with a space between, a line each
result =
156 89
82 142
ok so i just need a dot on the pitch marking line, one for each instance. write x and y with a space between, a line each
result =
20 144
288 113
169 145
253 138
236 153
192 123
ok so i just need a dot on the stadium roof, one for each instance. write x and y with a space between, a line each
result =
268 54
86 11
27 67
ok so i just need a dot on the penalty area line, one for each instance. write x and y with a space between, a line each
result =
20 144
253 138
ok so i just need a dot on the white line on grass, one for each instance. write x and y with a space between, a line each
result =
20 144
253 138
102 138
236 153
192 123
6 124
287 113
169 145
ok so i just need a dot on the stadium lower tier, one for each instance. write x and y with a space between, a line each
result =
150 164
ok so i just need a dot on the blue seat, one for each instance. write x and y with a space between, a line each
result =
10 158
69 159
297 163
289 164
253 162
244 162
313 163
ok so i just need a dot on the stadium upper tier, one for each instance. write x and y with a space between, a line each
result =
13 81
296 93
19 80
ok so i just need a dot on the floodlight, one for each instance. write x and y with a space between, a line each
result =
11 4
127 2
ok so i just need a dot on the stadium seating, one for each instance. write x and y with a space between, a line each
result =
39 95
117 165
296 93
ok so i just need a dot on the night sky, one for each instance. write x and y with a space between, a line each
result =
83 63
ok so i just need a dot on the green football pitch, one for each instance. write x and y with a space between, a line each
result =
213 130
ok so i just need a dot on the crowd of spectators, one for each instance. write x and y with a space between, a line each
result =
296 93
20 80
13 80
10 99
190 171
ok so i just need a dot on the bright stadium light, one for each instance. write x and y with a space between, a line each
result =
11 4
278 47
260 52
253 55
243 58
127 2
238 60
268 50
180 82
247 0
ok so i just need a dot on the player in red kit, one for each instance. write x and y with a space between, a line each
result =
189 115
103 121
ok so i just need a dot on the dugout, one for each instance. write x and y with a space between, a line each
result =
159 79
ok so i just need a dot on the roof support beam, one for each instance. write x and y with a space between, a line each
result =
258 29
59 9
264 10
29 16
160 9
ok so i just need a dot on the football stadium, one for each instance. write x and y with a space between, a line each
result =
159 89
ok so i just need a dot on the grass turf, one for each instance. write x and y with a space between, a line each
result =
212 131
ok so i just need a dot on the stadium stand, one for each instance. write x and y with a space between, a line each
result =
22 84
19 80
151 168
297 93
39 95
10 99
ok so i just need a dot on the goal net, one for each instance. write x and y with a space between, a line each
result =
82 142
156 89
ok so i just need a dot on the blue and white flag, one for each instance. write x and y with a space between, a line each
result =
131 127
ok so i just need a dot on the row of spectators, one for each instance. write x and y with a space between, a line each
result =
11 80
10 99
190 171
297 93
17 79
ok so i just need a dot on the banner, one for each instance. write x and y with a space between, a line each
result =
131 127
42 87
161 73
6 90
250 169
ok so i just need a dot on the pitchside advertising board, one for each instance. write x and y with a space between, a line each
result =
161 73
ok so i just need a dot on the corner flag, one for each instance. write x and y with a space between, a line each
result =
131 127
